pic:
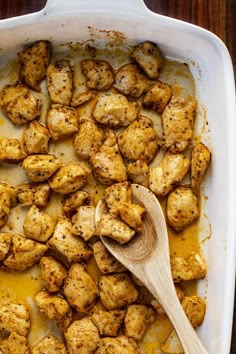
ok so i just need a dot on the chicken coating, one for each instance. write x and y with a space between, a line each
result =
199 163
195 308
182 208
14 317
53 273
5 244
84 222
19 104
114 110
105 261
63 241
5 203
69 178
80 289
148 57
82 97
34 62
62 121
99 74
41 167
55 307
11 150
36 138
131 81
116 194
108 322
133 215
60 82
88 139
76 200
169 173
118 345
24 253
49 345
177 120
192 267
82 337
117 291
14 344
11 191
139 141
158 97
34 193
138 172
137 319
38 225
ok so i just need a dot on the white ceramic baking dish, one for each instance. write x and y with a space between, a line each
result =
75 20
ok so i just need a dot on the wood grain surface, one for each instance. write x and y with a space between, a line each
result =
218 16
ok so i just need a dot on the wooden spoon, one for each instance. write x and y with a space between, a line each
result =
147 257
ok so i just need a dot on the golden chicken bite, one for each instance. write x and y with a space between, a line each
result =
116 194
75 200
137 319
33 193
5 244
195 308
108 322
132 214
11 150
138 172
158 97
14 317
36 138
105 261
40 168
14 344
11 191
82 97
200 160
192 267
5 202
84 222
53 273
118 345
49 345
99 74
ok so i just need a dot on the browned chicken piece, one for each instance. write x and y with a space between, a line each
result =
108 165
49 345
157 97
69 178
14 344
182 208
88 139
131 81
11 190
84 222
139 141
14 317
138 172
34 62
108 322
177 120
199 163
192 267
169 173
82 97
24 253
105 261
59 82
36 138
114 110
82 337
99 73
55 307
118 345
40 168
117 291
11 150
62 121
34 193
19 104
53 273
80 289
159 310
76 200
148 56
63 241
5 203
116 194
113 227
5 244
137 320
132 214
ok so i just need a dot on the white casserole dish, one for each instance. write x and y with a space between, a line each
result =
73 20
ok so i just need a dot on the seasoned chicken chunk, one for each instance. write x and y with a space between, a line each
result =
53 273
131 81
11 191
38 225
194 307
116 194
117 291
14 344
182 208
105 261
34 62
63 241
139 141
24 253
192 267
177 120
169 173
62 121
41 167
59 82
80 289
84 222
132 214
36 138
148 56
108 322
137 319
82 337
55 307
114 110
88 139
34 193
69 178
199 163
5 203
99 73
76 200
5 244
138 172
19 104
11 150
14 317
118 345
157 97
49 345
82 97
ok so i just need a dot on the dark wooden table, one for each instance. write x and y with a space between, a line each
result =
218 16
